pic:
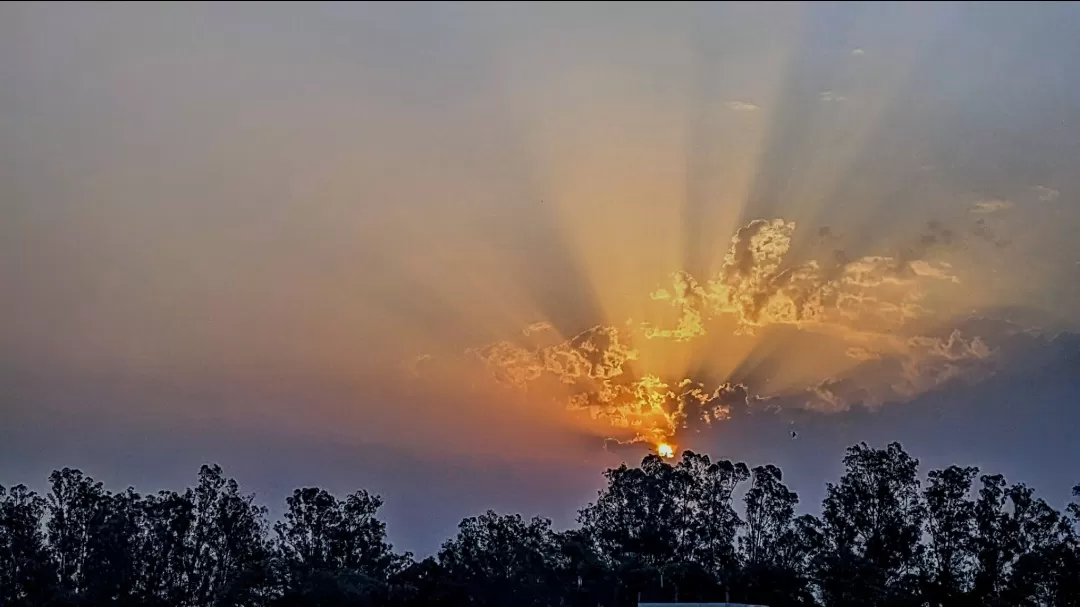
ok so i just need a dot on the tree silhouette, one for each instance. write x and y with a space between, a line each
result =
950 518
333 552
872 522
774 552
660 531
26 574
503 560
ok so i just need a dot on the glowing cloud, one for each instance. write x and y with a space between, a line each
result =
866 304
743 106
1046 194
990 206
536 327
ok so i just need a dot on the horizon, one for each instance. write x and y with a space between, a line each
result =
911 542
386 511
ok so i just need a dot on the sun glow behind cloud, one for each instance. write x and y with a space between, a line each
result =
699 307
855 312
528 232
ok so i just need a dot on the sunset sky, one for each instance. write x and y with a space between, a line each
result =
471 255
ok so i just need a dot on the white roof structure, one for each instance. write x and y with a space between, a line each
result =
698 605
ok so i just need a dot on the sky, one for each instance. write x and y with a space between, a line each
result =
468 256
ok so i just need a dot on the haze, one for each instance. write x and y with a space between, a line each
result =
472 254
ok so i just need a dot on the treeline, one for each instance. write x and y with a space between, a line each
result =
658 532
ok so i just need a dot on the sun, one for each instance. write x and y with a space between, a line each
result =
665 450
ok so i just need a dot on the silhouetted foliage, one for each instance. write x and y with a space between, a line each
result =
333 552
26 571
658 532
872 523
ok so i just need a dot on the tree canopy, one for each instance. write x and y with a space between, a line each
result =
659 531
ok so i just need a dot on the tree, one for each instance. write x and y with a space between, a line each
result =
25 572
77 507
503 560
872 525
950 518
709 488
167 526
993 546
582 570
635 517
770 508
1074 508
113 567
667 529
225 551
1044 571
773 550
333 551
656 532
424 583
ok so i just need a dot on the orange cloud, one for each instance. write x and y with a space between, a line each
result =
866 303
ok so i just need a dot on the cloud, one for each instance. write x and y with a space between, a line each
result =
593 365
922 363
746 280
587 364
870 304
509 363
596 353
937 233
827 235
536 327
940 270
858 51
416 366
743 106
687 295
831 96
648 407
953 348
862 353
1046 194
874 271
728 398
870 307
990 206
751 284
655 410
932 361
835 395
758 289
983 232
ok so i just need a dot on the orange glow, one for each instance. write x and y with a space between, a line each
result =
665 450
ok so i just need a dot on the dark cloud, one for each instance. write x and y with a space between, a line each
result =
981 230
937 233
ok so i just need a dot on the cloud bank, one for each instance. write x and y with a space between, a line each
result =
873 310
